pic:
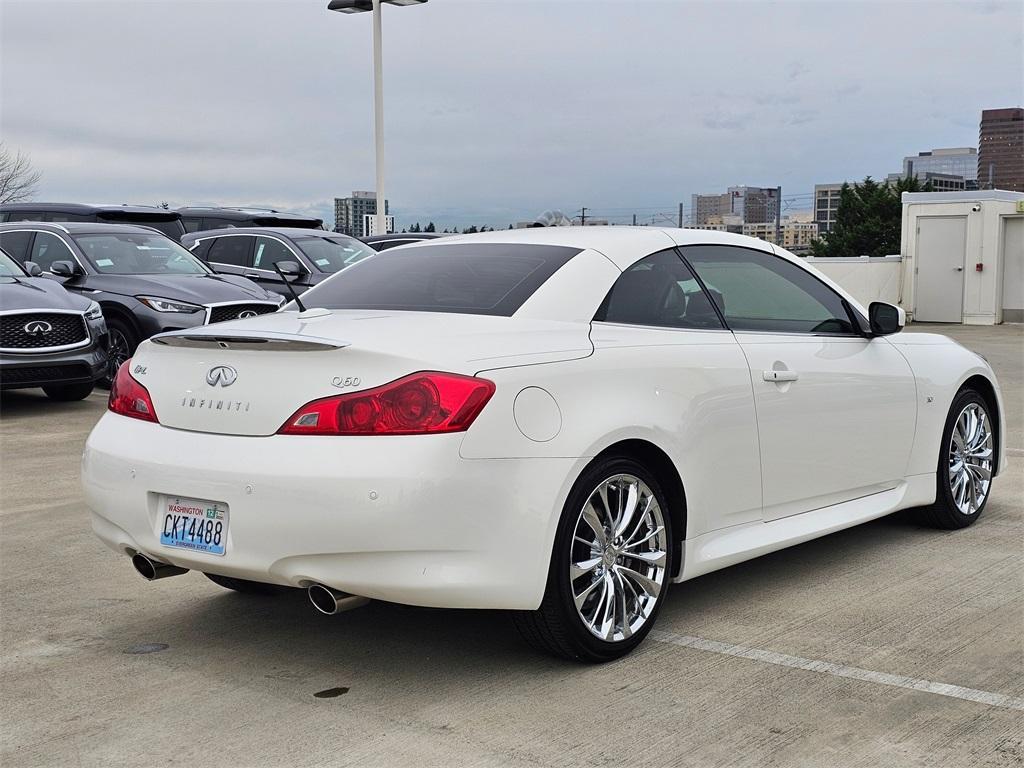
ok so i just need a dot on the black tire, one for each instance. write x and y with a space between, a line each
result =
123 341
244 586
945 513
556 627
67 393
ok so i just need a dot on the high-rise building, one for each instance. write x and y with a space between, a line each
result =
705 208
826 205
755 205
941 163
1001 149
940 182
350 213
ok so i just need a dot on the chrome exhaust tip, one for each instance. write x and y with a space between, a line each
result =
151 570
331 601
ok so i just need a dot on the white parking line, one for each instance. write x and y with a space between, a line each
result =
841 670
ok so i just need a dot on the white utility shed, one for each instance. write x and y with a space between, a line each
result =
963 257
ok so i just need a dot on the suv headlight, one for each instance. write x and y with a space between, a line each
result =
94 312
166 305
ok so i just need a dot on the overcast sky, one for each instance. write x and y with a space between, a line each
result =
494 110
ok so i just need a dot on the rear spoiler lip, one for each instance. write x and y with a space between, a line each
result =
208 337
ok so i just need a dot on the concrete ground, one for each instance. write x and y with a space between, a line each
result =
797 658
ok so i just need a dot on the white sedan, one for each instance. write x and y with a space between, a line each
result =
560 422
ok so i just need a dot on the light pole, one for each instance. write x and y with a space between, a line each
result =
361 6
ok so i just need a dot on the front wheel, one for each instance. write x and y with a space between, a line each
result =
609 568
122 346
967 459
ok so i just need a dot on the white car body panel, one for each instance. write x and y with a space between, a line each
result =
468 519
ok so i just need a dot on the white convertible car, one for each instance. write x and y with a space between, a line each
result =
560 422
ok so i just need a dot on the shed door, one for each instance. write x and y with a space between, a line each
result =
941 250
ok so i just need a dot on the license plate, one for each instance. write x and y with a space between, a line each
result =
195 524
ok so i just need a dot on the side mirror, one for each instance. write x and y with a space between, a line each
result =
289 269
64 268
33 269
885 318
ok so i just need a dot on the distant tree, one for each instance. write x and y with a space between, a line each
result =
869 219
470 230
510 226
18 179
430 227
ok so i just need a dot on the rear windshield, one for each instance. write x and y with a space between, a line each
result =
138 254
332 254
476 279
170 227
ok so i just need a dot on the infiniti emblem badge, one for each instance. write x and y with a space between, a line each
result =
246 313
36 327
221 375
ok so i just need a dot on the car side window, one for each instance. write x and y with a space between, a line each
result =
659 290
16 244
270 251
758 291
234 250
48 248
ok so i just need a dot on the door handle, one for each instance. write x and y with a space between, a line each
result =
777 376
251 275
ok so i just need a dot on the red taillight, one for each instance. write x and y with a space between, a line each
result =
128 397
419 404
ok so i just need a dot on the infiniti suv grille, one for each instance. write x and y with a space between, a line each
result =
37 331
235 311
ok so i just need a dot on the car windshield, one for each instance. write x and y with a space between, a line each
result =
331 254
480 279
9 267
132 253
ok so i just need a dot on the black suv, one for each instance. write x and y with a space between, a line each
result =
49 338
146 283
252 253
198 219
168 222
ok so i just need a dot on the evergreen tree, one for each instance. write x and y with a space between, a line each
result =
869 219
470 230
430 227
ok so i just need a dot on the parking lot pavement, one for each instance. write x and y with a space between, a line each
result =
810 656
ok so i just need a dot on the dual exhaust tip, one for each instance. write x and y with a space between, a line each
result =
325 599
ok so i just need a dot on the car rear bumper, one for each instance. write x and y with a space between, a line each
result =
402 519
75 366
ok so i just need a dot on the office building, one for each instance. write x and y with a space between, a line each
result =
350 213
753 205
826 205
1001 149
705 208
940 182
942 163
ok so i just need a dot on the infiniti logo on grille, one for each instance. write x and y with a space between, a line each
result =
36 327
221 375
246 313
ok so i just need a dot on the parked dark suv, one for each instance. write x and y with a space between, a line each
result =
395 239
199 219
252 253
168 222
49 338
146 283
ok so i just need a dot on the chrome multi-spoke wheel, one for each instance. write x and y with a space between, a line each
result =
611 563
970 459
618 557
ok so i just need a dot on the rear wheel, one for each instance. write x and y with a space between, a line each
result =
244 585
967 458
66 393
609 567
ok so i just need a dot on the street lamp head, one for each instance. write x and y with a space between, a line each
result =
360 6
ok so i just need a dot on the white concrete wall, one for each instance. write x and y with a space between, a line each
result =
865 278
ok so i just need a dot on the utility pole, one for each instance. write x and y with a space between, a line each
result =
583 217
680 215
778 216
634 219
